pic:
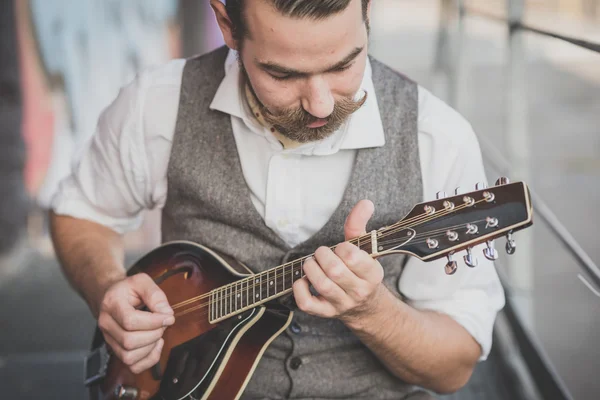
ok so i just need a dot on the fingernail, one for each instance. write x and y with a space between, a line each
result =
169 321
161 343
164 308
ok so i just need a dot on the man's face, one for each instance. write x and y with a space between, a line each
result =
305 73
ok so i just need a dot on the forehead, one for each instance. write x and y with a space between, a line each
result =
275 38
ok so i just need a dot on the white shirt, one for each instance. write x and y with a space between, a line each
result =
124 171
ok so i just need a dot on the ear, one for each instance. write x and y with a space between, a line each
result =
224 23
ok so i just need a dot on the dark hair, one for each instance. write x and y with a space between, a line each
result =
313 9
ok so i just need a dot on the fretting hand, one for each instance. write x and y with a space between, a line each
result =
348 280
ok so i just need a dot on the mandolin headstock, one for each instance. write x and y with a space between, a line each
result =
448 225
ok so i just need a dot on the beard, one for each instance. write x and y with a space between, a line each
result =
293 122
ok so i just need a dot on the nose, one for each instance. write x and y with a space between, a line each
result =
317 99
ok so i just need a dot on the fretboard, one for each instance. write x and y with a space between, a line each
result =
247 293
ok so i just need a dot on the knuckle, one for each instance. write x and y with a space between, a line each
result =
103 321
360 293
325 287
128 342
302 304
129 322
336 272
128 358
321 251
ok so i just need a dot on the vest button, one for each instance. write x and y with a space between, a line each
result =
295 363
295 328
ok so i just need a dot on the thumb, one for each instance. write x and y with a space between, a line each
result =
356 223
151 295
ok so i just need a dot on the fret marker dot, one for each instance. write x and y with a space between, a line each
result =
297 272
257 296
239 295
257 281
380 248
271 283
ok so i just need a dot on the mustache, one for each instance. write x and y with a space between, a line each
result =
294 122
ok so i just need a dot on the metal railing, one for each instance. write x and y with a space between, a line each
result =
515 9
449 60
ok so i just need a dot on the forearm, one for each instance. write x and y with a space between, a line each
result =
91 256
421 347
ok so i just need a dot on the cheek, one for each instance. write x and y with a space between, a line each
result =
346 85
273 94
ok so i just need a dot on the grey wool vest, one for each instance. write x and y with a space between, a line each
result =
208 202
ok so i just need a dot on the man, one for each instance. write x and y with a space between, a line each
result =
271 145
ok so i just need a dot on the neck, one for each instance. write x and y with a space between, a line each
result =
260 288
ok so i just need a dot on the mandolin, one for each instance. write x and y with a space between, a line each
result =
225 313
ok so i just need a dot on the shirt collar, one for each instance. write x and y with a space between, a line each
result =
364 128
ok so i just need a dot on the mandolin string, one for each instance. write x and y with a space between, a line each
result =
231 298
395 228
234 285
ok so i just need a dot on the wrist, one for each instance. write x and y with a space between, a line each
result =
373 314
99 290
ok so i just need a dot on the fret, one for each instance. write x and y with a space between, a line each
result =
260 287
231 298
210 312
227 300
237 297
247 292
220 303
255 281
268 283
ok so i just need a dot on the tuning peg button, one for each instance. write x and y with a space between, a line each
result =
489 252
511 245
480 186
451 266
502 181
440 195
470 260
457 191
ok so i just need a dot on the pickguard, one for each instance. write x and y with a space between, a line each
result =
193 365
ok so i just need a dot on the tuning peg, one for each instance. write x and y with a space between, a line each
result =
470 260
489 252
511 245
457 191
502 181
440 195
451 266
480 186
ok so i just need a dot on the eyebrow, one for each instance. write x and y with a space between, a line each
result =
280 69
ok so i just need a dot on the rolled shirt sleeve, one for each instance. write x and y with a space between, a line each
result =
451 158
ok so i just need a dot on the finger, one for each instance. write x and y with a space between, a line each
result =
131 340
132 320
150 360
325 286
359 262
356 222
151 295
128 357
310 304
335 269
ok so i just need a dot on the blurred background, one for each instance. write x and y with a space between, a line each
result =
526 74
